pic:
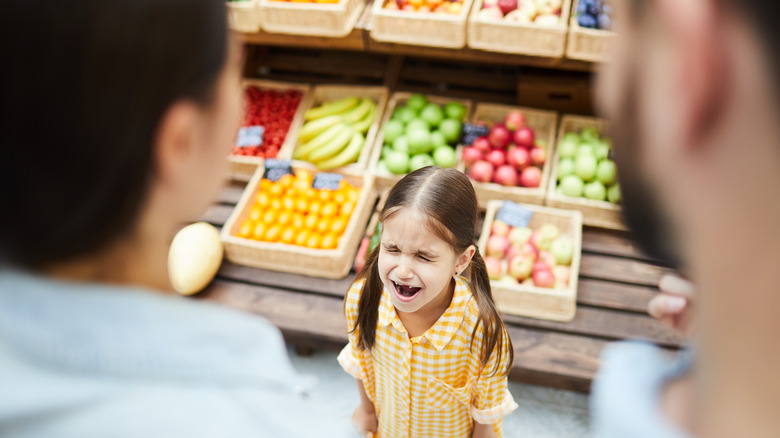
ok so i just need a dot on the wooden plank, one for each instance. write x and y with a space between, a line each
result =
217 214
611 242
612 295
231 193
284 280
470 76
620 269
335 63
353 41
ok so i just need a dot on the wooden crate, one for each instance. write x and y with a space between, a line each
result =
325 93
420 28
311 19
543 123
588 44
244 16
385 179
532 301
325 263
527 39
601 214
243 167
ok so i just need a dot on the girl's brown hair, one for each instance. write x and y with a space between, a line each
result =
447 198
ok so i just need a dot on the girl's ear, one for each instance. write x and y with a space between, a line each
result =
464 259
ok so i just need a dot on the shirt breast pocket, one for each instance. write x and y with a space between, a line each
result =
440 395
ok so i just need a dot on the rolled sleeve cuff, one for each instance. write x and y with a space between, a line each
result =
350 362
495 413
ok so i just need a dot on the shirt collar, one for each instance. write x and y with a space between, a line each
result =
444 329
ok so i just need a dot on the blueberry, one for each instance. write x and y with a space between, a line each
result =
605 23
594 7
582 7
587 20
606 9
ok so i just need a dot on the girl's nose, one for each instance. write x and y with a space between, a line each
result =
404 270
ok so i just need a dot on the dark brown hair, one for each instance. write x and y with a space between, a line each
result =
447 198
84 85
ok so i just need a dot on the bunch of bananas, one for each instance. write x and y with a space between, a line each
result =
334 132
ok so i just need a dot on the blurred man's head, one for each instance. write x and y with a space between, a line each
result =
693 98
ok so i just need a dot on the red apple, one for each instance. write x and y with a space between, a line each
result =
530 250
471 155
531 177
496 157
497 246
524 137
409 8
506 175
547 258
481 171
514 120
513 251
507 6
482 144
544 278
538 156
540 265
499 136
541 242
499 228
562 274
518 157
493 266
520 267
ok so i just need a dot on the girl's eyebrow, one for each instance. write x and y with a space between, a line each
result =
423 253
426 254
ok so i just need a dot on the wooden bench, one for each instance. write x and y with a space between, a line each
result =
615 284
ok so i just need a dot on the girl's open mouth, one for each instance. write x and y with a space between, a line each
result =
405 293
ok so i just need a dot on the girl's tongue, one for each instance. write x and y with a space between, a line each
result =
406 291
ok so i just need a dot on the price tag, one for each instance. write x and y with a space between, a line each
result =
472 132
514 215
275 169
250 136
329 181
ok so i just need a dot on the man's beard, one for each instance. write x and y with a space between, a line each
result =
642 211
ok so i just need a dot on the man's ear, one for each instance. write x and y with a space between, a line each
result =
696 29
464 259
174 141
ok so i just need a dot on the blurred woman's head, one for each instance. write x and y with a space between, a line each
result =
115 115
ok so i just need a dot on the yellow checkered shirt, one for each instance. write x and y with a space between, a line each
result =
431 385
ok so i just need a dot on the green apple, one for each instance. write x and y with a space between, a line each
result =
416 124
563 250
606 172
419 141
433 114
382 167
417 102
451 129
385 150
392 130
572 186
404 114
589 134
444 156
586 149
419 161
585 167
565 167
613 194
455 110
568 147
595 190
600 150
397 162
437 139
401 144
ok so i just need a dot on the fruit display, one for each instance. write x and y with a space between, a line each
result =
437 6
510 154
421 133
295 210
594 14
334 133
537 12
274 111
585 168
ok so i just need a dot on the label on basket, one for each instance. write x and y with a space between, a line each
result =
275 169
514 215
472 132
250 136
328 181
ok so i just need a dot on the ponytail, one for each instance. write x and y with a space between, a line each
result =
494 337
368 306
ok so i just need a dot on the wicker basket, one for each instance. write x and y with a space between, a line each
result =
420 28
527 39
532 301
543 123
384 179
326 93
588 44
325 263
310 19
244 16
601 214
243 167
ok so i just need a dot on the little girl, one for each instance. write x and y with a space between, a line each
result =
426 344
